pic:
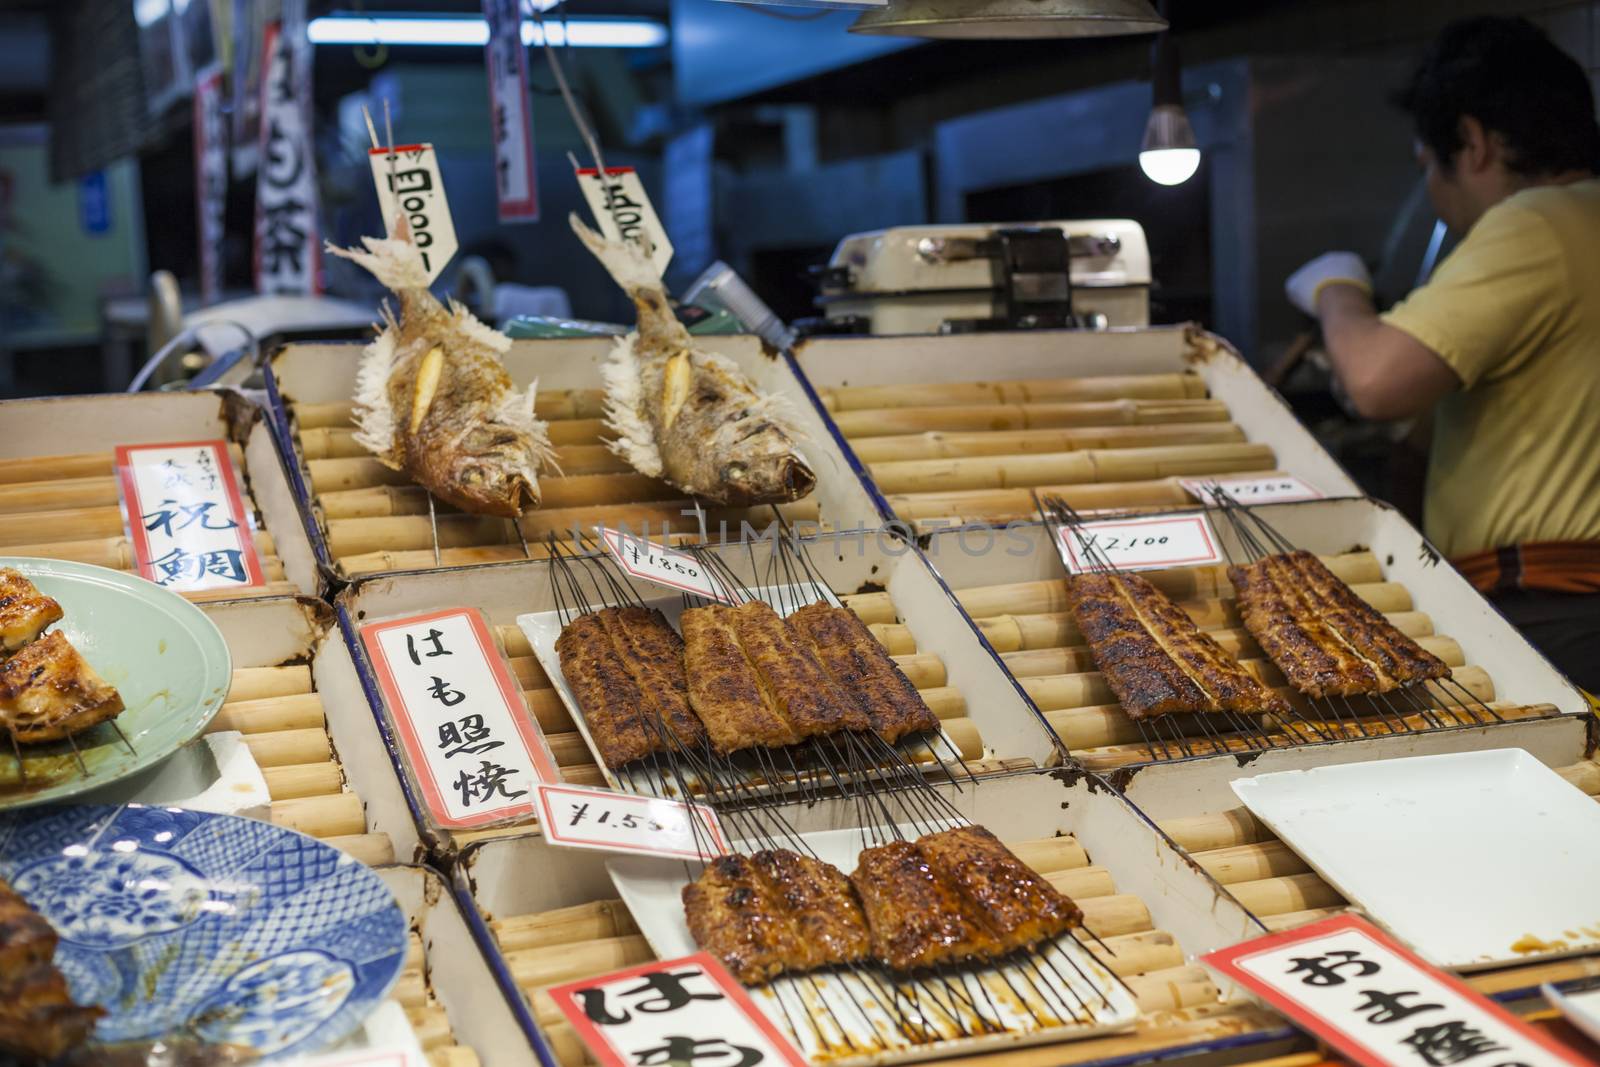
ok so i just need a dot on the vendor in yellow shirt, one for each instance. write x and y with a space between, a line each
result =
1505 337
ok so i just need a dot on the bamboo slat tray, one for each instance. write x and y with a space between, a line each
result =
60 496
1110 421
370 519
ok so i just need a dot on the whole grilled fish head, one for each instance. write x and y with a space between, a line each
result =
483 468
778 477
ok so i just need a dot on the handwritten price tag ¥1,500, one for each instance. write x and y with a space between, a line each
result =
1140 544
1360 991
624 822
474 749
663 566
1280 489
683 1011
186 516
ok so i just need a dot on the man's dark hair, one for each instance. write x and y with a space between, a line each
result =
1508 75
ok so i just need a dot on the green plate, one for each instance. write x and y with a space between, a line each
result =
165 657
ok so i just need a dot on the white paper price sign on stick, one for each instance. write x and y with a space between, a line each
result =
1375 1001
1278 489
476 752
663 566
186 516
410 184
623 210
605 821
1140 544
673 1012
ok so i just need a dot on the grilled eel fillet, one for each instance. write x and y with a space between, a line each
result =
863 668
48 691
1153 656
38 1018
1325 639
653 653
813 702
954 896
775 912
25 612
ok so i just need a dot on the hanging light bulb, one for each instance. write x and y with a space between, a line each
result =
1168 154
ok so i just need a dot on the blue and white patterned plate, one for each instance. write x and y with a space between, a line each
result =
216 927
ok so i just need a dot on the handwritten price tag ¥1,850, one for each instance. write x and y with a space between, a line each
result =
663 566
673 1012
186 516
1279 489
473 747
1360 991
1140 544
625 822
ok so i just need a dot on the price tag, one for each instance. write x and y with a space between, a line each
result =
663 566
415 189
1140 544
626 822
510 116
623 210
683 1011
475 750
1378 1003
1279 489
186 516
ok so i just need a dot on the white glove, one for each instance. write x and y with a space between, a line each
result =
1330 268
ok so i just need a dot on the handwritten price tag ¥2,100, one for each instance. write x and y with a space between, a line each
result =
1279 489
684 1011
410 184
1360 991
663 566
186 516
625 822
623 210
475 750
1140 544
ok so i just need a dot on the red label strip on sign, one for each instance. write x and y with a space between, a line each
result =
1361 992
186 516
683 1011
473 747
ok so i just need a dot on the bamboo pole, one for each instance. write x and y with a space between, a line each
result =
25 497
580 922
298 711
69 466
1050 853
1215 830
117 553
1016 391
1063 468
303 780
339 815
1170 990
528 672
1083 882
375 850
281 748
1130 954
1292 892
539 968
1584 775
964 418
258 683
272 588
1115 915
870 607
997 505
550 404
454 1056
352 537
935 444
547 708
1291 919
1247 863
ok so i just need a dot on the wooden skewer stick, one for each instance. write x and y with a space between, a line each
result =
1103 466
1017 391
962 418
937 445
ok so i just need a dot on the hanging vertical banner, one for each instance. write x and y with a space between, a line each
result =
409 184
210 178
288 254
510 113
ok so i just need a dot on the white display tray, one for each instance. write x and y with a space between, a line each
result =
830 362
60 425
851 1016
1413 843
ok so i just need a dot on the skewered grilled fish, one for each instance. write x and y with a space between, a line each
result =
605 690
917 918
38 1018
433 397
811 701
725 688
48 691
25 612
690 417
1015 902
863 668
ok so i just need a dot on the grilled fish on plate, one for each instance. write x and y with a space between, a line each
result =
433 397
690 417
48 691
25 612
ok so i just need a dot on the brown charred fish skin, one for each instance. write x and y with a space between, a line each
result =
38 1018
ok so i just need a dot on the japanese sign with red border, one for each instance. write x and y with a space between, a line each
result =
1364 994
472 745
1278 489
687 1010
186 516
623 210
409 183
510 114
607 821
663 566
1141 544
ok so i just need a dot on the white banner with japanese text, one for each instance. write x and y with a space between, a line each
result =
210 179
288 250
510 113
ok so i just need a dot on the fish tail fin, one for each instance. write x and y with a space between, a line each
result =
396 264
624 391
631 269
374 415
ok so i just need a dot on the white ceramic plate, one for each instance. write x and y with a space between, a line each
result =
838 1017
1475 858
